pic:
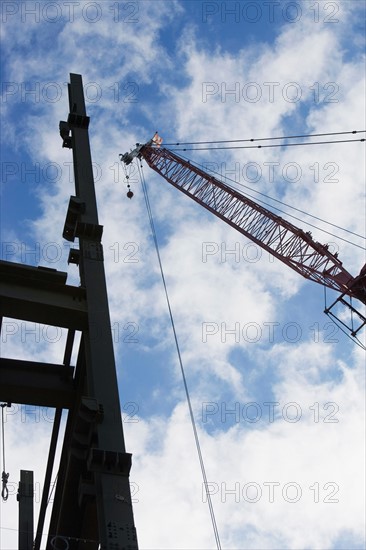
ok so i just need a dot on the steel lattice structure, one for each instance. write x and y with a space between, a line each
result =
285 241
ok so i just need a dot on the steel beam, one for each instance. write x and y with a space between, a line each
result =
35 383
93 498
47 482
41 295
25 498
92 506
52 451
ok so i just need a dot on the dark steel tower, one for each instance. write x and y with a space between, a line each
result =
92 505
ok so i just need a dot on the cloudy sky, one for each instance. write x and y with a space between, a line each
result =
277 389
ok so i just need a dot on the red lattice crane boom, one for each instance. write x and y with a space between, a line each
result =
285 241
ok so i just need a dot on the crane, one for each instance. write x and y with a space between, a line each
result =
291 245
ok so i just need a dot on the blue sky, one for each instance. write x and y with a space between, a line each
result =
277 390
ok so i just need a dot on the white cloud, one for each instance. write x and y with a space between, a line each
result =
316 461
221 290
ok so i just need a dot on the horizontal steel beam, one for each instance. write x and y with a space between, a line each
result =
41 295
32 383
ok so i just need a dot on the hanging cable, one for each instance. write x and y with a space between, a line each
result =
127 171
307 223
193 422
283 203
267 146
270 206
53 487
307 214
267 138
4 475
267 196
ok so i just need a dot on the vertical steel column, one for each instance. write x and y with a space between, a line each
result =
108 462
25 499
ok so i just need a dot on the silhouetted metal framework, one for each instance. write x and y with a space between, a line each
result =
92 505
25 497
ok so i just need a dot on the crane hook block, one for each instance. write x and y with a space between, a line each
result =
129 192
4 490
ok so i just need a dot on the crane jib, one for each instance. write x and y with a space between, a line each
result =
288 243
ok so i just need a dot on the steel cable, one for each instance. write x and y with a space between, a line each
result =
193 422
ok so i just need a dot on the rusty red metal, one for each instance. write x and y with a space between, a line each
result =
288 243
